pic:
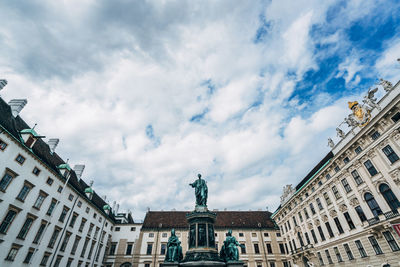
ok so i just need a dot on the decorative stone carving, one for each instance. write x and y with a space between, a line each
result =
317 222
354 202
310 226
333 213
387 86
340 133
324 218
331 144
288 192
370 99
343 208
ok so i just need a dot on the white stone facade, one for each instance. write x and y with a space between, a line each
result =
352 199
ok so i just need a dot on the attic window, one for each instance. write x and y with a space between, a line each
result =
358 150
337 169
60 188
70 197
49 181
375 135
30 141
20 159
3 145
79 204
396 117
346 160
36 171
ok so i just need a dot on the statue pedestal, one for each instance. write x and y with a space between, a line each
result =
234 264
170 264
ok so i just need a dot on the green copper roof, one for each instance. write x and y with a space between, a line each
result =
88 190
31 131
64 166
106 207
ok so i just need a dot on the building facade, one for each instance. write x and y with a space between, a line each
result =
343 213
263 244
48 215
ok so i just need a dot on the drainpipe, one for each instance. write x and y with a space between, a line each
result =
106 208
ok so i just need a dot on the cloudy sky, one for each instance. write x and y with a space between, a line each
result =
149 93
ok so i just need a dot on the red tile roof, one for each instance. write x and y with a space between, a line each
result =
225 219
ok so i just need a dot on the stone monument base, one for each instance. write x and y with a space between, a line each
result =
203 264
234 264
170 264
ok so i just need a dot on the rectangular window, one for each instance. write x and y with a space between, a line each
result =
243 248
348 251
328 256
328 227
39 200
58 260
151 234
20 159
336 192
338 225
361 249
26 188
113 248
321 233
29 255
51 207
6 180
129 249
327 199
73 220
346 185
64 213
8 219
356 177
370 167
319 204
163 249
390 154
349 220
321 261
396 117
300 217
79 204
70 197
312 208
85 247
54 237
294 221
306 213
328 176
149 248
314 236
269 248
338 255
90 229
91 249
96 232
25 228
307 238
82 224
281 248
133 229
375 245
392 243
358 150
271 264
65 241
75 245
36 171
360 213
12 253
45 258
375 135
337 169
49 181
3 145
346 160
60 189
256 249
40 232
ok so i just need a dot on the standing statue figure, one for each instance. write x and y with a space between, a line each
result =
331 144
229 250
370 99
201 191
174 249
340 133
351 122
387 86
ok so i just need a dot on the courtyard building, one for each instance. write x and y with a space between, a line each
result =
345 211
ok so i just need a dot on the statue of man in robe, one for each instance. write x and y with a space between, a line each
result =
201 191
229 251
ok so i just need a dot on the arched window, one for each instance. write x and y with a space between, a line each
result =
126 264
373 205
390 198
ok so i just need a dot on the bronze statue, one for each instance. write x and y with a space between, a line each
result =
201 191
229 250
174 249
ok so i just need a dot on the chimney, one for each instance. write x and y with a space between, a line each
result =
78 170
3 83
53 142
113 205
17 105
116 209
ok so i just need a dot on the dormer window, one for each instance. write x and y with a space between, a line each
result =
64 169
29 136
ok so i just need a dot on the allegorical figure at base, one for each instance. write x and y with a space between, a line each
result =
174 249
229 250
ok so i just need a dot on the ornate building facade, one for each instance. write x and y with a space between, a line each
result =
345 211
